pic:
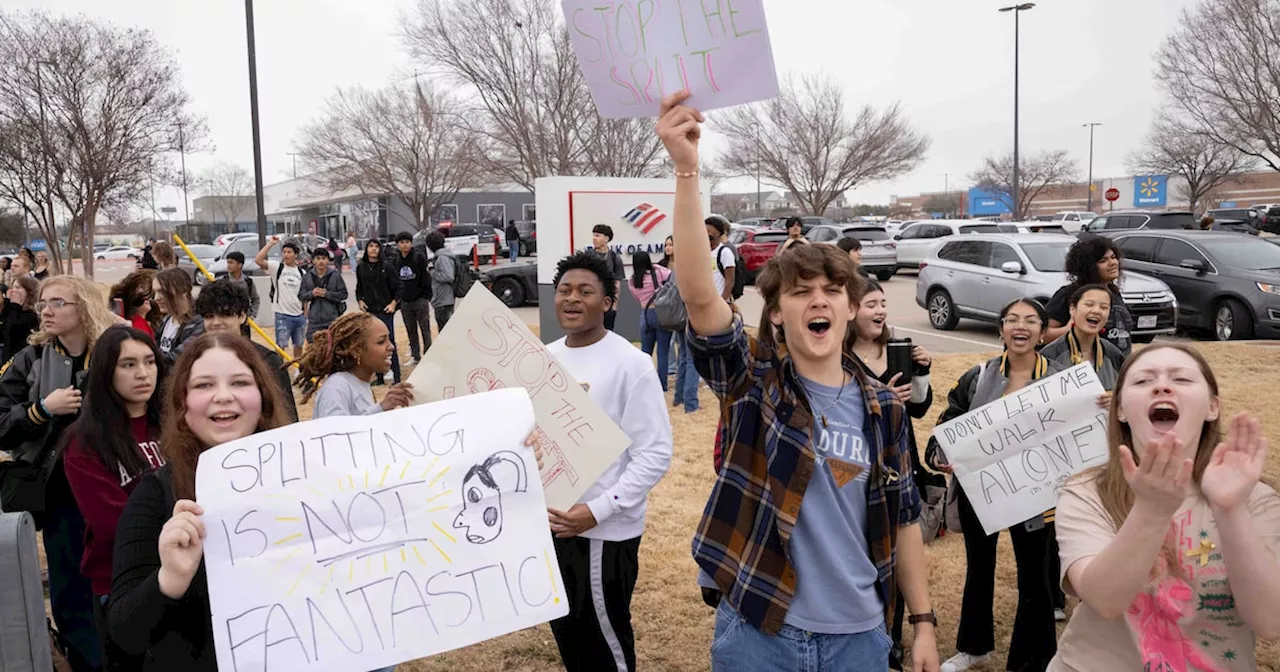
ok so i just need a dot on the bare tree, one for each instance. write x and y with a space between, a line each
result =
1172 148
517 65
1222 69
1038 172
231 189
412 143
805 142
102 104
948 204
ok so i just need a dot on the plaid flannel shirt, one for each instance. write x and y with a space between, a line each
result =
743 539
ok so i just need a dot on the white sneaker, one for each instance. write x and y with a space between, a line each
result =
963 661
1059 615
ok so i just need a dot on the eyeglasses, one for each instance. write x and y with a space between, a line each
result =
1032 322
55 304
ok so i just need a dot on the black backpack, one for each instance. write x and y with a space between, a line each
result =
739 270
463 278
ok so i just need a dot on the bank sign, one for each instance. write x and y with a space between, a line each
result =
641 221
1150 191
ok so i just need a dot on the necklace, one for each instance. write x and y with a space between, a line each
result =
844 382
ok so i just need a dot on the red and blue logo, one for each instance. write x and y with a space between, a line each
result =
644 217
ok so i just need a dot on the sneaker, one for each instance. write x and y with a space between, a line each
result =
963 661
1059 615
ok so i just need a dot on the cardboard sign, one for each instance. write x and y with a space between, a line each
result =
1013 454
487 347
353 543
632 53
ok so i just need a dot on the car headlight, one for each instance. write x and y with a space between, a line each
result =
1268 287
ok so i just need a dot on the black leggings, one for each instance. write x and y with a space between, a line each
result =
1035 636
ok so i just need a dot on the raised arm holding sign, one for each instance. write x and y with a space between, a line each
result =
634 53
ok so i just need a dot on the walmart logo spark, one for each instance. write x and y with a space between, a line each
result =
1150 188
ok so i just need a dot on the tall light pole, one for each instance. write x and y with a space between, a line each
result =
182 152
1017 11
295 164
257 130
1091 126
758 206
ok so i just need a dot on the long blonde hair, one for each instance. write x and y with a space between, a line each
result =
91 307
1113 489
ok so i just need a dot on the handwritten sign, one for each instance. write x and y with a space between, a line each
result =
632 53
352 543
486 347
1013 454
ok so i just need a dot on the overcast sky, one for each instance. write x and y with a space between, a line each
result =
949 62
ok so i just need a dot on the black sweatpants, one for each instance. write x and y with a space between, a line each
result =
1035 637
599 577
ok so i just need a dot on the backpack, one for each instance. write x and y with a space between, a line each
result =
667 302
739 270
463 278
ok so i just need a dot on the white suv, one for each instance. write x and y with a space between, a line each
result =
919 240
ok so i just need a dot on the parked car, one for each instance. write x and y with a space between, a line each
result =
1037 226
975 276
1226 283
756 247
1073 222
920 239
249 248
528 237
879 249
515 284
1143 219
228 238
893 226
116 253
484 232
1236 220
206 254
754 223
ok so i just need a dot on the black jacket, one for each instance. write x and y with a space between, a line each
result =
377 284
188 331
276 364
513 234
415 276
16 324
323 310
173 634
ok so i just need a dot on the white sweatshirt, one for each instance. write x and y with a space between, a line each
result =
623 382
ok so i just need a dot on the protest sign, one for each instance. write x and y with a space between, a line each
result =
486 347
635 52
1013 454
352 543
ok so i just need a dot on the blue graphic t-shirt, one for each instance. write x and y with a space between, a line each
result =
835 578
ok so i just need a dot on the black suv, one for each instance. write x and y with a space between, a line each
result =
1236 220
1143 219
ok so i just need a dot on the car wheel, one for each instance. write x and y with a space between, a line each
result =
1144 338
509 291
133 257
1231 321
942 312
102 258
750 279
883 276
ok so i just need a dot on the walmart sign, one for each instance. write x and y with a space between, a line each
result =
1150 191
983 203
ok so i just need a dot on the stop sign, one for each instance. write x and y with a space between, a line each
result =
1113 194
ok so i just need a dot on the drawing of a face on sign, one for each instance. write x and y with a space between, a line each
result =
482 488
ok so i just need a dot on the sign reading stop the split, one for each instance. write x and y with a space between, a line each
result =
1113 194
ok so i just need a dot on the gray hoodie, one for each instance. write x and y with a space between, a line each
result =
323 310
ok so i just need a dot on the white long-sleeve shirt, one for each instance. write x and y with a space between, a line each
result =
623 382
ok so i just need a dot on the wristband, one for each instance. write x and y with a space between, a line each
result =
44 410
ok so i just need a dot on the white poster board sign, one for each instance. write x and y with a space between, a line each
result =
487 347
1013 454
353 543
634 53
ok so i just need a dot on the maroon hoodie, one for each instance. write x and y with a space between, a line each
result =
101 494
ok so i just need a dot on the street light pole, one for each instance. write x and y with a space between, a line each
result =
295 163
257 130
1091 126
1017 166
182 152
758 205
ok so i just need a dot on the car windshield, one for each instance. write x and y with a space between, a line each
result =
1087 216
1051 257
1173 220
1245 254
982 228
1231 214
867 234
204 251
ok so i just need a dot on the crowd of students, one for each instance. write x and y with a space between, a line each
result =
810 548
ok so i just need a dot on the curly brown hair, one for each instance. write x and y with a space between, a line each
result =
176 285
333 350
181 448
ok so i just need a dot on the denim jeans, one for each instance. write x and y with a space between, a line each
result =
290 330
70 594
515 250
651 336
738 645
686 378
389 319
